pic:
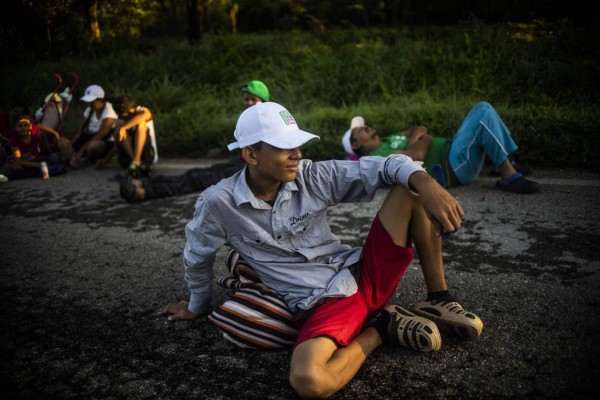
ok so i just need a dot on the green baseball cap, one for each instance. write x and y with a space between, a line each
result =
258 89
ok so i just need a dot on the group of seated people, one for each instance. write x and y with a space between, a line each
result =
33 146
125 128
460 158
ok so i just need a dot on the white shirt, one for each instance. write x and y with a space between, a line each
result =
95 123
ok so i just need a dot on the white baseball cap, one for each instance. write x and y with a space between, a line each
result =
270 123
92 93
356 122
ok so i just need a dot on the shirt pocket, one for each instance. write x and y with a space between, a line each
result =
256 245
310 232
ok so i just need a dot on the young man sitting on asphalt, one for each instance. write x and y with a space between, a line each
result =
274 214
482 133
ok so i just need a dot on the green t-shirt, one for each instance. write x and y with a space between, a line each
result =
390 144
436 154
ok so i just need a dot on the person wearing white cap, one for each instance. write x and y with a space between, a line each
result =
93 140
482 134
274 214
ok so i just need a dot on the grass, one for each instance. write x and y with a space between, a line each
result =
542 78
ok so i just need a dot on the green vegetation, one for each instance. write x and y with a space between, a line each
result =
543 78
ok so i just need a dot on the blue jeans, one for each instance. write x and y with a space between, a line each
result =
481 133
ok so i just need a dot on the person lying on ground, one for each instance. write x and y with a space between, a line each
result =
273 213
28 159
196 179
481 134
93 140
134 138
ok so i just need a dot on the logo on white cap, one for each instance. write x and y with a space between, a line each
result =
287 117
92 93
270 123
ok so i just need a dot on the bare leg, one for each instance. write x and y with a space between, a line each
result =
123 140
422 232
140 141
506 169
126 146
319 368
95 149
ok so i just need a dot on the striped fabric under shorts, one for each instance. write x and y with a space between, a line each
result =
255 316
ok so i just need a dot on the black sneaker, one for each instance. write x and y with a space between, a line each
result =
408 330
518 184
134 171
145 169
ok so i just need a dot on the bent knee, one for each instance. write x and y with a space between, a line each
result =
483 105
407 195
310 384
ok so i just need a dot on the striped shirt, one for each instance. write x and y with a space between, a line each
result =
290 244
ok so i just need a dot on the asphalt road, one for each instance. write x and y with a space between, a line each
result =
84 272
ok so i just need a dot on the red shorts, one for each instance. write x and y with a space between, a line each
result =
382 266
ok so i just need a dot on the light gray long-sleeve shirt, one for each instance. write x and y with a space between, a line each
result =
289 244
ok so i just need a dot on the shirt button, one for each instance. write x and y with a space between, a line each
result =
278 237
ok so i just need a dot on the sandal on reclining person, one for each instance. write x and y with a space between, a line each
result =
526 170
518 184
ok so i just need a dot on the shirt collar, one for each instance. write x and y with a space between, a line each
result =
243 194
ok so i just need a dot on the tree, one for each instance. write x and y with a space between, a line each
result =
195 11
91 8
233 10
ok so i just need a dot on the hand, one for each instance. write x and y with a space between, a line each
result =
442 209
177 311
121 135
